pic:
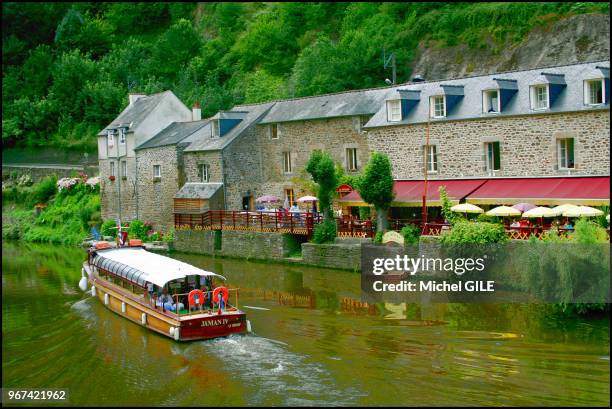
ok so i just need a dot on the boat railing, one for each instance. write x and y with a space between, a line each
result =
200 308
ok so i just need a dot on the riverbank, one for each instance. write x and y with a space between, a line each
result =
50 211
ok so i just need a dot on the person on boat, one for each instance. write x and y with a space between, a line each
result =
167 301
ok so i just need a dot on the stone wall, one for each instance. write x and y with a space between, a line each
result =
301 138
341 255
37 173
527 145
241 244
123 190
156 196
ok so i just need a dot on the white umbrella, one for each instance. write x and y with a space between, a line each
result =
466 208
540 212
583 211
307 199
564 207
608 218
504 211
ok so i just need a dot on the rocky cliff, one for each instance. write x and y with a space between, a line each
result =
578 38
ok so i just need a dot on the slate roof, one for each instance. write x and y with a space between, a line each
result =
202 141
173 133
470 106
192 190
137 112
350 103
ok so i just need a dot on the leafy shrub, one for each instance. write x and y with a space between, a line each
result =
324 232
483 217
448 214
137 230
411 234
44 190
588 232
378 237
109 228
169 236
465 232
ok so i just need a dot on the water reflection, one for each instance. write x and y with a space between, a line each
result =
315 342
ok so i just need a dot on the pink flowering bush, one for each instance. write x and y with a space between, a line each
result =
66 183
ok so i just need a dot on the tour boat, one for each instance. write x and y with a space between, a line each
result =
128 280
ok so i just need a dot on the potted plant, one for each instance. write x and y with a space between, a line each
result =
111 178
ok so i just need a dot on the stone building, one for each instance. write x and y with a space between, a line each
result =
550 122
143 118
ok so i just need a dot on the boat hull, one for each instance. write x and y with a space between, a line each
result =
186 328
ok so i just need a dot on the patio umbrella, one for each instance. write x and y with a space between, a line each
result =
504 211
466 208
267 199
307 199
608 218
564 207
540 212
583 211
523 207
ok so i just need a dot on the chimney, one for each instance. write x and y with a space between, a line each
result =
133 96
196 112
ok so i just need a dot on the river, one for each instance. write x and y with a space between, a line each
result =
313 344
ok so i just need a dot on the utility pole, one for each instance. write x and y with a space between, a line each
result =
390 61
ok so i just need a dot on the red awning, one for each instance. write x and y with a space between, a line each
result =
590 191
593 191
410 192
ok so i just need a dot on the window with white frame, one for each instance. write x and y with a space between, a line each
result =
124 169
214 128
539 96
492 156
204 172
490 101
122 136
273 131
432 158
351 158
594 92
565 153
157 171
437 106
110 135
394 110
287 165
112 168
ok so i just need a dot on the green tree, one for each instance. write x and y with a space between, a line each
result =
323 171
376 187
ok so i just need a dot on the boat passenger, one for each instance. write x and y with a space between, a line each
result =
167 301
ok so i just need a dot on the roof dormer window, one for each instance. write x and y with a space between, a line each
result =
214 129
539 96
437 106
394 110
491 101
594 92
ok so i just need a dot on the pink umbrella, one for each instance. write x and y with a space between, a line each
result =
267 199
523 207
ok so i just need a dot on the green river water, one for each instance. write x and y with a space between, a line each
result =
312 345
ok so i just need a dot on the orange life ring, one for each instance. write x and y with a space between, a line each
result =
200 294
216 294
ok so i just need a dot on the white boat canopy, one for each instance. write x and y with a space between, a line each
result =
140 266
